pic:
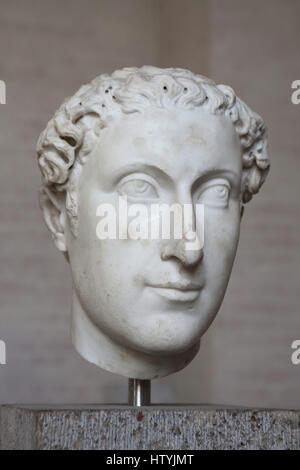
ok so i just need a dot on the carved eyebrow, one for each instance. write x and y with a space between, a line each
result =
152 170
163 177
213 173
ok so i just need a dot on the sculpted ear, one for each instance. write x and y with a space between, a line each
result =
52 205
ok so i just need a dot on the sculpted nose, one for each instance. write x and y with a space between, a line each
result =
188 250
180 250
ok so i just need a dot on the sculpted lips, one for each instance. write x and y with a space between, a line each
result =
177 291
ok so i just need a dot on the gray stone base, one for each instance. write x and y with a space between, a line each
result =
155 427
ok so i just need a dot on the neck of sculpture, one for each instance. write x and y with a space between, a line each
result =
96 347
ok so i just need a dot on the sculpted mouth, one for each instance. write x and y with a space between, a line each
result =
177 291
182 286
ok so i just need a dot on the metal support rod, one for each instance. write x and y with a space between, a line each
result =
139 392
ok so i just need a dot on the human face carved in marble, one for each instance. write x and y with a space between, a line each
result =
156 296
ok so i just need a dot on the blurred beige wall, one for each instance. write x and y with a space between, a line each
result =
255 48
48 49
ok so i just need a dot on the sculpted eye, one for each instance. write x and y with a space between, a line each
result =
138 188
215 194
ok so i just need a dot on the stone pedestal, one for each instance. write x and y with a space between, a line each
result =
118 427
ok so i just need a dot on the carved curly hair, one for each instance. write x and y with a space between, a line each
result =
63 147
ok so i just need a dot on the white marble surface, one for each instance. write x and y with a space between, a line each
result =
125 145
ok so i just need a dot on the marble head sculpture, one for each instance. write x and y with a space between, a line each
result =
149 135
